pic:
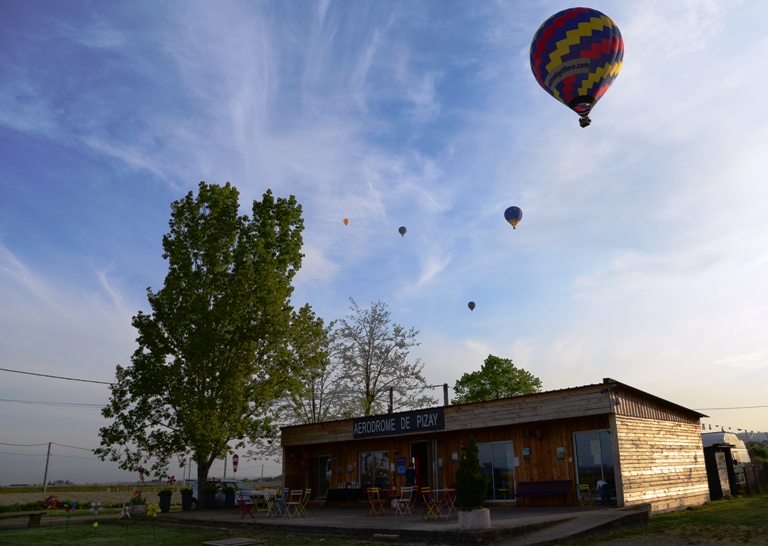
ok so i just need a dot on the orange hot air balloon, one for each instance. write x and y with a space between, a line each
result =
346 221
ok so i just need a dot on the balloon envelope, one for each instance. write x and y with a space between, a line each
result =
471 306
346 221
402 231
575 56
513 215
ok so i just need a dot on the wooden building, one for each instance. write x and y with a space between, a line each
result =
649 450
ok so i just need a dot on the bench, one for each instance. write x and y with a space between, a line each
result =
556 488
34 517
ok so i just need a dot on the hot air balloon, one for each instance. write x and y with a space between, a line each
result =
402 231
471 306
513 215
346 221
575 56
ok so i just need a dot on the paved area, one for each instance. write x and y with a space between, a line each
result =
510 526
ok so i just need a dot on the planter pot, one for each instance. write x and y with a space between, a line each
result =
229 500
165 504
476 519
186 503
210 501
138 509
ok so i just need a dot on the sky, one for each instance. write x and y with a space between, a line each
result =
642 254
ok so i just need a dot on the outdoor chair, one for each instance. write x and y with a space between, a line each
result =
277 505
431 506
586 498
375 502
292 504
304 501
403 502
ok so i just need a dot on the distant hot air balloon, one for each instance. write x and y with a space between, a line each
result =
575 56
402 231
513 215
471 306
346 221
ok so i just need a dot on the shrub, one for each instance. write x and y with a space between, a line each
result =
137 498
186 492
210 490
229 490
471 483
164 493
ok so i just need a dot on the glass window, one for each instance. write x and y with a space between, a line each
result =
594 458
496 460
374 469
320 475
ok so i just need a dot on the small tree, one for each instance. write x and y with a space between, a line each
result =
471 482
497 378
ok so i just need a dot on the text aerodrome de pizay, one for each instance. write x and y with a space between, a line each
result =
401 423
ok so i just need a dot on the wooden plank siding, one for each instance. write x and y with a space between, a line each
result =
657 450
662 463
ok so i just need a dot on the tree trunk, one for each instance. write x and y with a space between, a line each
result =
202 474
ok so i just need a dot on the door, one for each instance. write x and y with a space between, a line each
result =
594 458
423 462
319 475
497 462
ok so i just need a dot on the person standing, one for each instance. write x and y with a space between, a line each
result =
605 494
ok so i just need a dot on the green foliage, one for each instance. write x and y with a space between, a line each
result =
213 355
471 482
209 489
497 378
165 493
228 490
16 507
186 492
759 453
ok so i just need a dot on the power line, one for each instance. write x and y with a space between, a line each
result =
58 404
73 447
22 445
737 407
56 377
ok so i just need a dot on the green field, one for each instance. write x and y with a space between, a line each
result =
742 520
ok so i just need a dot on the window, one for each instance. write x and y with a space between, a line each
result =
320 475
374 469
594 458
497 461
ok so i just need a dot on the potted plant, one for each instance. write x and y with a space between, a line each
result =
471 488
138 503
186 499
229 497
209 494
165 500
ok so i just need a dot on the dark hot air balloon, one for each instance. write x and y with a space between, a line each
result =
471 306
513 215
402 231
575 56
346 221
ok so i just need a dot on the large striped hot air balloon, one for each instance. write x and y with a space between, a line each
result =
575 56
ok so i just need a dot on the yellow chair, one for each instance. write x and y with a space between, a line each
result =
586 498
303 502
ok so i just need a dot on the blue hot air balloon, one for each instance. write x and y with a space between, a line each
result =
402 231
471 306
513 215
575 56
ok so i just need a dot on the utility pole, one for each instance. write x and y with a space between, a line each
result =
445 394
225 465
47 458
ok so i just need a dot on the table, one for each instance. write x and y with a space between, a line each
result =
447 498
344 496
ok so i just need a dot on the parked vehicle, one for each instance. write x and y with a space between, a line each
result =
242 491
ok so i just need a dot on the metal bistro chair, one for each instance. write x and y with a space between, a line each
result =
375 502
431 506
586 498
403 502
304 501
277 505
293 502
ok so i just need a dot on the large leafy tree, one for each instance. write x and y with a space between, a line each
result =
497 378
373 358
215 352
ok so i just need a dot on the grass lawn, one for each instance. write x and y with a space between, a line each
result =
742 520
137 533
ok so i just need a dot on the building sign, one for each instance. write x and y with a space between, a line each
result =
401 423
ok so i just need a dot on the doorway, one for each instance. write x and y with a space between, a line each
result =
422 457
594 458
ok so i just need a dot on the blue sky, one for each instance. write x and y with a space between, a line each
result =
642 254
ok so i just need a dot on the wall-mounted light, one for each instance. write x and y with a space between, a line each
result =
455 457
440 462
